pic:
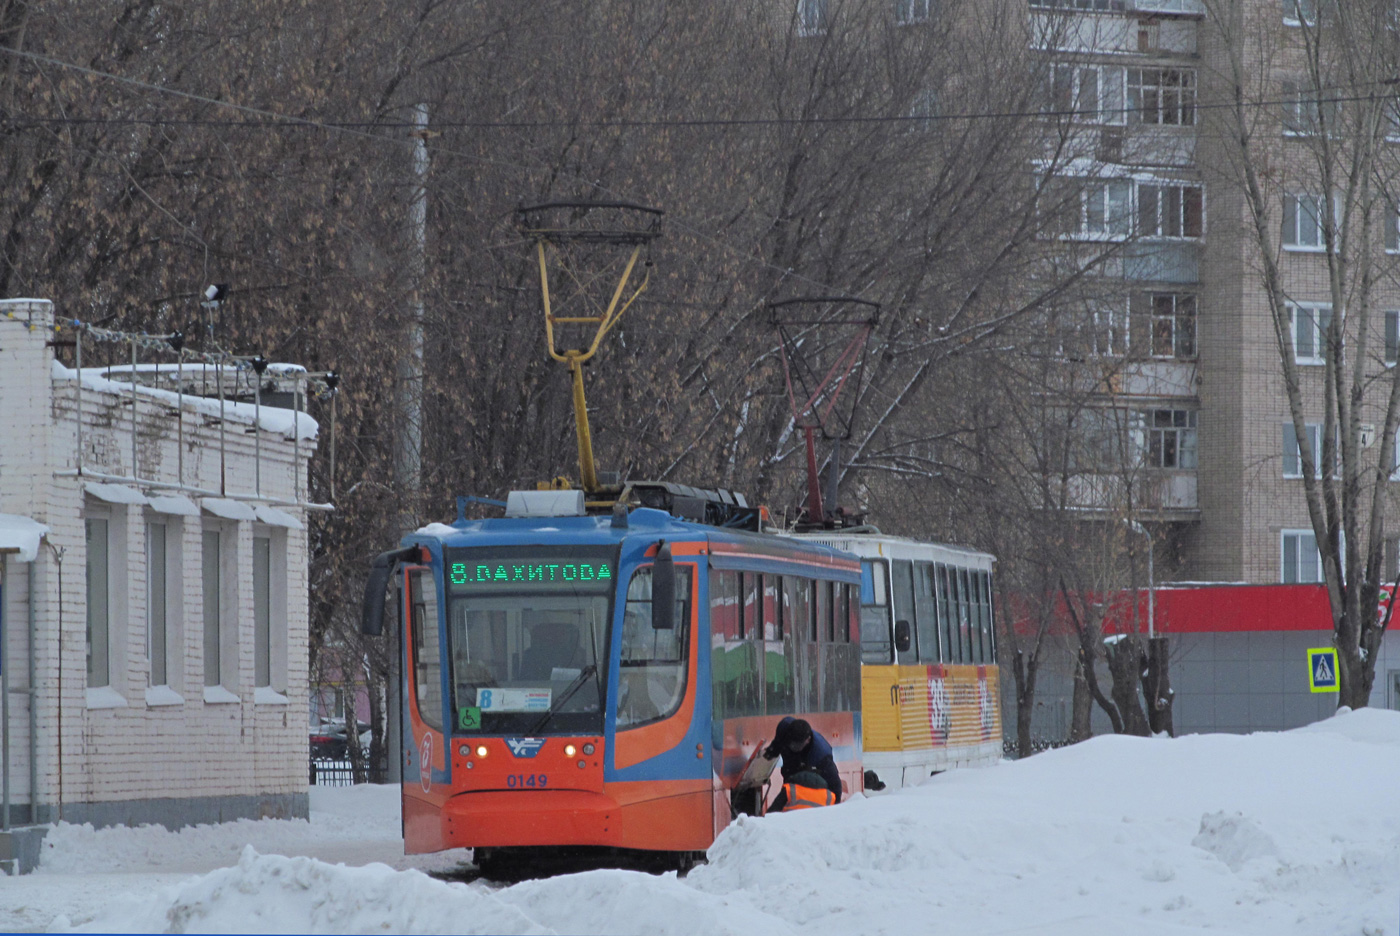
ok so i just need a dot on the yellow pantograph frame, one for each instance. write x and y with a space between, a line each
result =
576 357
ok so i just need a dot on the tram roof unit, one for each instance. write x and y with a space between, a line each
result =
594 529
872 544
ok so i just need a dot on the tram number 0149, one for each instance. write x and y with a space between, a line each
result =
517 781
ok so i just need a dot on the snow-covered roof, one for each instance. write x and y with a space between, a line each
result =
437 529
22 535
284 422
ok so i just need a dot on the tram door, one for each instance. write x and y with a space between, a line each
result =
425 753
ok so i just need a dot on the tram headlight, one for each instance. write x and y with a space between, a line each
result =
465 750
481 750
588 748
570 750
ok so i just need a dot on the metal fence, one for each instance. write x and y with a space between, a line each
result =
334 773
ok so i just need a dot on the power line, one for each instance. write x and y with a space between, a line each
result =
270 118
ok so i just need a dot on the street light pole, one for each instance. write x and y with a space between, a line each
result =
1151 583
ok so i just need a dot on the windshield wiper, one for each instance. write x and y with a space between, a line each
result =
565 696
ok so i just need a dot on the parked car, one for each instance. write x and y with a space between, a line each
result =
328 741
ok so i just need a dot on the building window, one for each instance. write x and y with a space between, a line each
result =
1298 12
1292 453
262 611
1308 324
1171 323
99 601
1170 210
1391 222
211 564
1106 208
1302 222
811 17
157 592
1303 113
1087 92
911 11
1166 438
1162 96
1095 6
1301 560
1392 336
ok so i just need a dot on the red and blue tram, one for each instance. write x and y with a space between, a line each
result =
601 681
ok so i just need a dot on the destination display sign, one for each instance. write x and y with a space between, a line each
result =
551 573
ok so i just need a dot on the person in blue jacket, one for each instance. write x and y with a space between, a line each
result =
803 750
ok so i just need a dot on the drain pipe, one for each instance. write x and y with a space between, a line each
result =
33 703
4 700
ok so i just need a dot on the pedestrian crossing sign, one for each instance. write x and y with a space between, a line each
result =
1322 670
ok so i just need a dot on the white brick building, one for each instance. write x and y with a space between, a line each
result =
167 602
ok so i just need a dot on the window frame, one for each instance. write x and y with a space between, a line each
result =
1298 535
1184 93
1174 202
1319 326
1150 436
911 12
1314 431
99 626
1292 208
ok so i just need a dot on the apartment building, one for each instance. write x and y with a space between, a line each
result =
1198 397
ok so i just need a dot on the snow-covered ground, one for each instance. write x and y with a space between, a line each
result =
1290 833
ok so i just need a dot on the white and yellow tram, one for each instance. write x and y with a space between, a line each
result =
929 677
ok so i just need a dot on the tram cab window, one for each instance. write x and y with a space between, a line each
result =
876 644
427 653
527 636
653 672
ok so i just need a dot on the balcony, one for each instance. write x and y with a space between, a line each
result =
1069 30
1157 494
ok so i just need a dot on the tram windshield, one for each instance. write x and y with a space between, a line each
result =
527 637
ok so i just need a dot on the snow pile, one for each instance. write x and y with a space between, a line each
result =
1291 833
21 534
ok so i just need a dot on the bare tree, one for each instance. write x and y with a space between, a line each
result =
1305 140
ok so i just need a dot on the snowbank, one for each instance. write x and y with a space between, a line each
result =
1290 833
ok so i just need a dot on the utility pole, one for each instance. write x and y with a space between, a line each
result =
408 433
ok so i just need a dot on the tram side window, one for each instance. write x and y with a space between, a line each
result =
988 631
802 651
852 626
926 617
822 611
947 630
725 611
779 655
964 596
903 604
875 642
741 668
427 648
749 623
652 681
